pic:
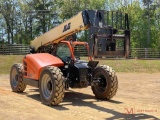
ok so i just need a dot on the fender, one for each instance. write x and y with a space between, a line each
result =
34 63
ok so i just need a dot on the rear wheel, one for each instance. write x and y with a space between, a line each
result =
51 85
16 78
108 82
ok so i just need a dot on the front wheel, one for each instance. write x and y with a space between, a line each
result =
16 78
108 82
51 85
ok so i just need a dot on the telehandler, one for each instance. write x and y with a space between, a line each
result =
54 64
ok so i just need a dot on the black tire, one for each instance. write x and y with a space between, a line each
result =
51 85
16 78
108 85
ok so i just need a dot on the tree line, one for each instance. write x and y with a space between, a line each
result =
23 20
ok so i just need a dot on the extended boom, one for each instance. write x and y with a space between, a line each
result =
105 28
55 35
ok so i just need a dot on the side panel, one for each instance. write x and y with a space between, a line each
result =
34 63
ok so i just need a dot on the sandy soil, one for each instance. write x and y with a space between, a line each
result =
138 97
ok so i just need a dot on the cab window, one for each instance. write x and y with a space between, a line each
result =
63 51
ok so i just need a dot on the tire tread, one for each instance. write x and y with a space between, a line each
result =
59 84
21 86
114 82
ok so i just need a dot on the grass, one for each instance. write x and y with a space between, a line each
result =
6 62
134 65
130 65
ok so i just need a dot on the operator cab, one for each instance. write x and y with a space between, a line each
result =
67 51
75 70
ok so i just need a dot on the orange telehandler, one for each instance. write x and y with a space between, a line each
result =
55 63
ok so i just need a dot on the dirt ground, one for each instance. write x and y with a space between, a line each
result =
138 97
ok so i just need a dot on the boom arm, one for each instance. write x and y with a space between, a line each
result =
105 27
55 35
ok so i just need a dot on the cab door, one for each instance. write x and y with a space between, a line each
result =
64 51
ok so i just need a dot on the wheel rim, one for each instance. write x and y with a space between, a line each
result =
14 77
102 84
47 86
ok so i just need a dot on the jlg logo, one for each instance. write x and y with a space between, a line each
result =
67 27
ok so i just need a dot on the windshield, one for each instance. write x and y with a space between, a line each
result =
63 51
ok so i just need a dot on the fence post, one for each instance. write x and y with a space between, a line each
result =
3 48
21 50
146 52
